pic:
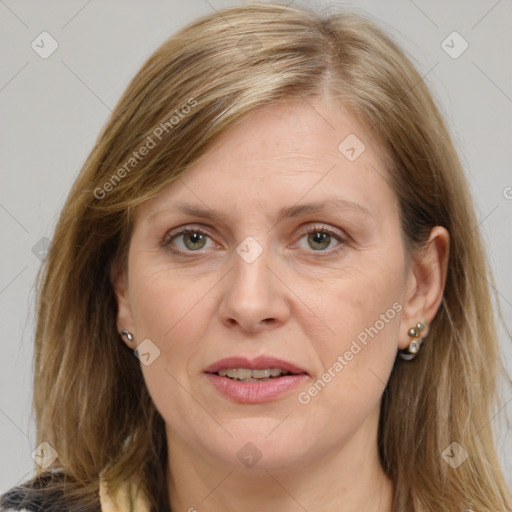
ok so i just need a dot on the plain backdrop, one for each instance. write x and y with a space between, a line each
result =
53 108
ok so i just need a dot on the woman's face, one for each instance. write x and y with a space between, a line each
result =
262 276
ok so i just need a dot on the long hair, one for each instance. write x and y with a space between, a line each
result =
90 400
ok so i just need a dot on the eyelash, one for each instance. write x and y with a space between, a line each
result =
166 242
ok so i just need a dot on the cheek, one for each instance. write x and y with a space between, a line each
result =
163 299
167 310
362 308
173 310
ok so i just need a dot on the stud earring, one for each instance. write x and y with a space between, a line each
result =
412 350
128 335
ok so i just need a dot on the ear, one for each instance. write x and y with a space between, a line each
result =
425 284
119 281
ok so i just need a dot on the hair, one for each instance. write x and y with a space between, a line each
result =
90 400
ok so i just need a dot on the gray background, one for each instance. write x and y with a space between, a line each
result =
52 110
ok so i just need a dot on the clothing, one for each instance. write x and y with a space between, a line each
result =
122 501
31 497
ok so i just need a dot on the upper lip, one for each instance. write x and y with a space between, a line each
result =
258 363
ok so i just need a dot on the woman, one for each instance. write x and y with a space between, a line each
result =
274 221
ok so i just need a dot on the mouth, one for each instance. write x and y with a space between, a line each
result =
259 369
257 380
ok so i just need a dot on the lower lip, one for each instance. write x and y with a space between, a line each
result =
255 392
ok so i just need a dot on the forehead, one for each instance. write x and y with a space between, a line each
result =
285 154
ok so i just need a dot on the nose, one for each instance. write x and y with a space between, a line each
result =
255 297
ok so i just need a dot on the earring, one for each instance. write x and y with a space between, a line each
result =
128 335
412 350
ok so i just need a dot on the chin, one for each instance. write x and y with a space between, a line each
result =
252 454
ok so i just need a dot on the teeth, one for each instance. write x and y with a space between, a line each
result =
241 373
258 374
246 373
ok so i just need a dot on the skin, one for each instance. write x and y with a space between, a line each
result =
300 300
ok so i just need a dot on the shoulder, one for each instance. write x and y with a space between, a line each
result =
36 495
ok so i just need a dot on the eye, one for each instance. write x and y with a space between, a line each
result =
191 238
319 238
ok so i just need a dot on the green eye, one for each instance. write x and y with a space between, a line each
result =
320 238
192 239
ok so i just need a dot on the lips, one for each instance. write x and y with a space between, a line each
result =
259 363
254 391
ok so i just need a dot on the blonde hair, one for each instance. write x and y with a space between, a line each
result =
90 400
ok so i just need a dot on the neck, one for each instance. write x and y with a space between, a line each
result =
347 479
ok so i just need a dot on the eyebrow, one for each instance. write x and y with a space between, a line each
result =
202 211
